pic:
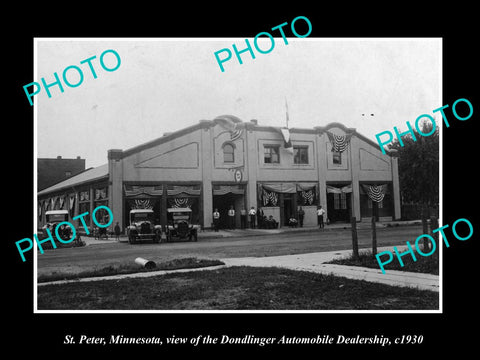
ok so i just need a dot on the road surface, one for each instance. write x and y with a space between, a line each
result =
97 256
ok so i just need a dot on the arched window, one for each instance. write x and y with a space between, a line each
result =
228 153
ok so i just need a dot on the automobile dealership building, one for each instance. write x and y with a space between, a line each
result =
227 162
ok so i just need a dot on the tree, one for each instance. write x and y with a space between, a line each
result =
418 166
418 170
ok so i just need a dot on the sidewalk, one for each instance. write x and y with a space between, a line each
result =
225 233
254 232
315 262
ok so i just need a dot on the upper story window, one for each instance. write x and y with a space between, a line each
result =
228 153
271 154
337 157
300 154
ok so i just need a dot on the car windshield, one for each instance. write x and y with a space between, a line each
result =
55 218
142 216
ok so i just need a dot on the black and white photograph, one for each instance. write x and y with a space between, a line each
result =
224 179
253 186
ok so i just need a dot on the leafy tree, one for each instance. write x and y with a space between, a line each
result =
418 166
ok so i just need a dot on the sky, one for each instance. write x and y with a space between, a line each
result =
165 85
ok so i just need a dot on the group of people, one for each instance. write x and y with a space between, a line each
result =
254 218
294 222
257 218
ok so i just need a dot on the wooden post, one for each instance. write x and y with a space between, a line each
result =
425 227
374 237
354 237
433 226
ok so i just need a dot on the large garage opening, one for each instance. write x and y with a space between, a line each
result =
225 196
339 202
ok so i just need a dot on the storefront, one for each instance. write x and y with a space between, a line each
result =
276 170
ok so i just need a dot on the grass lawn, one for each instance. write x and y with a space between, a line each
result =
428 264
234 288
129 268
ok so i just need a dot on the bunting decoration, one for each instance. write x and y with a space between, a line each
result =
142 204
139 190
285 132
100 193
375 192
84 195
335 190
308 197
180 202
232 124
53 201
71 203
270 197
236 134
339 142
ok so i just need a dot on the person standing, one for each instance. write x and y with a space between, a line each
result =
231 217
243 218
252 214
301 215
116 231
320 213
259 218
216 220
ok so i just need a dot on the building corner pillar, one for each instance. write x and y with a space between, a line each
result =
115 184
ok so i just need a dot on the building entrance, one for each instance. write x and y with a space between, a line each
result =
223 198
287 208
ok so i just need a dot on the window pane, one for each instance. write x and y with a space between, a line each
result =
343 197
271 154
336 201
228 153
337 157
300 155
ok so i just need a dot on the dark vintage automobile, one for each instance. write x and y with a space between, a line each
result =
180 224
53 218
142 226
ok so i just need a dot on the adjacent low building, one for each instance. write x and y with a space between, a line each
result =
227 162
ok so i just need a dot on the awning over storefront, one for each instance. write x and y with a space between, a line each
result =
336 190
267 192
135 191
188 190
228 189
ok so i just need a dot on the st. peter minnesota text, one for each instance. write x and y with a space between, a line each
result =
229 340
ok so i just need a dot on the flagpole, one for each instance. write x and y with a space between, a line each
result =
286 109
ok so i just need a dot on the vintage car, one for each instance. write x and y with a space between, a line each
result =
180 224
142 226
54 217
